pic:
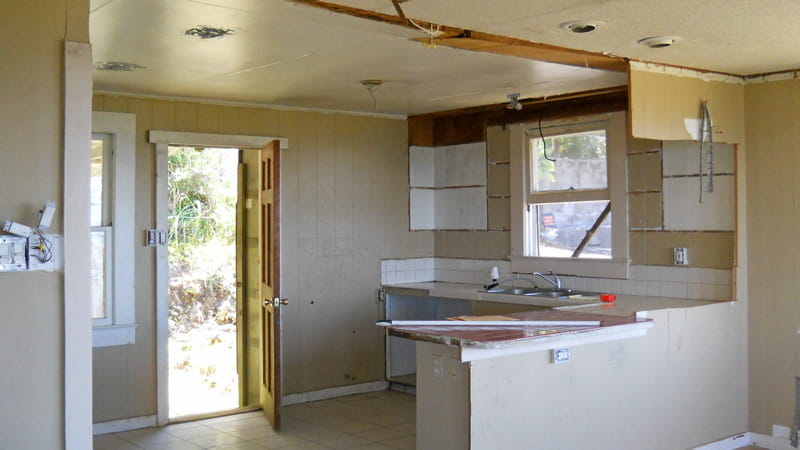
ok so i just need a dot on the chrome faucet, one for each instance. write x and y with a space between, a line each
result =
496 283
555 280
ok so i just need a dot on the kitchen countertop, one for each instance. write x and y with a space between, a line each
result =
625 305
628 319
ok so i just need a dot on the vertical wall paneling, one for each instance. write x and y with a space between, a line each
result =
344 207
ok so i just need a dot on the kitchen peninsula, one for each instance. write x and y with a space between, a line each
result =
640 379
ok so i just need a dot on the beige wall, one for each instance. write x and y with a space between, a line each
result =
773 186
31 377
661 101
344 207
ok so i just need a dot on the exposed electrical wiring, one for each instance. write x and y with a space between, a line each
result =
544 142
372 86
706 150
432 33
45 248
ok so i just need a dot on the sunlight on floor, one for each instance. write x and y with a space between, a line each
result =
379 420
202 370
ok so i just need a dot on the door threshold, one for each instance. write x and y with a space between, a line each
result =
212 415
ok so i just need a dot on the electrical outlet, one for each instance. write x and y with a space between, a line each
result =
437 367
560 355
681 256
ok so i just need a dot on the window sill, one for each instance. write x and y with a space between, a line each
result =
114 335
598 268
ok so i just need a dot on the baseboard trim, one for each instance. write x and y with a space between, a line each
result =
744 439
341 391
115 426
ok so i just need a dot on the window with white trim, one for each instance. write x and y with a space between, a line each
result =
111 209
570 194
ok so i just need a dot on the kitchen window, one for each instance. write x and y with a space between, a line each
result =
568 196
111 215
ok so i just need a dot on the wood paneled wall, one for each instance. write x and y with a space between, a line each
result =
344 207
773 187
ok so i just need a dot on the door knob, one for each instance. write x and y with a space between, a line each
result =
277 301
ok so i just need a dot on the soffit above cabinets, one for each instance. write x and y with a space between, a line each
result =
286 54
744 38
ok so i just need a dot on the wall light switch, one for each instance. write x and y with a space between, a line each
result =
681 256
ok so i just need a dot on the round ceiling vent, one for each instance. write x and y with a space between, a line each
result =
582 26
659 41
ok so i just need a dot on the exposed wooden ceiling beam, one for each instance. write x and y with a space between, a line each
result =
483 42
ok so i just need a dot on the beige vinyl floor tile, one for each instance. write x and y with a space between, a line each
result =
377 420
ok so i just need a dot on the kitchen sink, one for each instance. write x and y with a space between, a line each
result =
541 292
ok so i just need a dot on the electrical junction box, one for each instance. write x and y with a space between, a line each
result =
13 253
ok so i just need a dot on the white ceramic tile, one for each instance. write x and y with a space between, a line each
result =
681 290
460 165
683 211
708 291
460 209
638 272
724 277
654 288
695 291
652 273
423 212
391 265
639 287
667 289
384 277
603 285
384 264
723 292
391 277
708 276
421 166
683 158
614 286
694 275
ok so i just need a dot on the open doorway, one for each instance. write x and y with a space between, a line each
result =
203 186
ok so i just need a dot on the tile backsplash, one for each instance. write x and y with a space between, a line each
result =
661 281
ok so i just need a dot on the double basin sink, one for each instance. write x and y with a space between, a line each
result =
541 292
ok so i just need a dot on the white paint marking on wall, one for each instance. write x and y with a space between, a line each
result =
115 426
343 391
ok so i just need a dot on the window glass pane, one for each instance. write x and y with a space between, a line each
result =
574 161
562 227
96 183
98 272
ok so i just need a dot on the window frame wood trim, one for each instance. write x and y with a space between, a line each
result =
122 128
616 138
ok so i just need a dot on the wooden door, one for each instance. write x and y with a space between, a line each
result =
270 287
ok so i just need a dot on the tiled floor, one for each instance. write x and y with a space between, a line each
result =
379 420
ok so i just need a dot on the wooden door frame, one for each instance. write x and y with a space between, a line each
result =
162 141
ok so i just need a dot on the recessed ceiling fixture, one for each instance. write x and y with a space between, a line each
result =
206 32
582 26
659 41
118 66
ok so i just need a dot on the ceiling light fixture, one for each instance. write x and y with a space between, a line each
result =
206 32
582 26
372 86
659 41
118 66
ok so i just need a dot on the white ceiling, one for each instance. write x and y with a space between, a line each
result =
298 56
741 37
